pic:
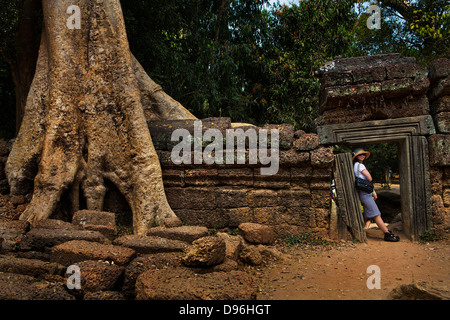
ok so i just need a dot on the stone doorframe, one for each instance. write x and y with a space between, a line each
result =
410 133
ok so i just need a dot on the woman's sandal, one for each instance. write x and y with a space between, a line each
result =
391 237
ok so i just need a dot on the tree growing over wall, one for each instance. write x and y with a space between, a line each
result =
85 118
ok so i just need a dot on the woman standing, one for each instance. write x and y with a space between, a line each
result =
371 210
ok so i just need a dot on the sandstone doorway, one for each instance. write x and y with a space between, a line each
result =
410 134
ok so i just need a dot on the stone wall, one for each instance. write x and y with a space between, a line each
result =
378 89
439 143
296 199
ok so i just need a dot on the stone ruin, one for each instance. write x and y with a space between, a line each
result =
362 100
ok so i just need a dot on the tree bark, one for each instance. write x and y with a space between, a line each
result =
85 119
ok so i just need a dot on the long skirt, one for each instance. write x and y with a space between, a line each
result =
370 207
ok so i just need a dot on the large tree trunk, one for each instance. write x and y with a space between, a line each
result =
85 119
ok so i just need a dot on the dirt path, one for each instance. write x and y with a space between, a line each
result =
340 272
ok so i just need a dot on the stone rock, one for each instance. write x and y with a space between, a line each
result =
22 287
306 142
204 252
419 291
31 267
12 233
184 284
41 238
439 68
439 149
233 245
150 244
75 251
147 262
172 222
99 275
251 255
257 233
183 233
101 221
322 158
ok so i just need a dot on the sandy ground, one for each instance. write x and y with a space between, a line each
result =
340 272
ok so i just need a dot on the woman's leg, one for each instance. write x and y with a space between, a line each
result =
367 223
380 224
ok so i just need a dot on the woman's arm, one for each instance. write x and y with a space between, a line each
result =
366 174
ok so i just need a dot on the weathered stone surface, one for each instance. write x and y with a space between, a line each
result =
437 209
31 267
101 221
233 245
322 157
99 275
442 122
150 244
439 68
204 252
22 287
172 222
306 142
419 291
257 233
251 255
183 233
183 284
147 262
40 238
78 250
11 233
439 149
440 88
441 104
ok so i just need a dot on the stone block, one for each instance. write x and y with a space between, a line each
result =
173 178
23 287
200 198
75 251
257 233
442 122
32 267
322 158
150 244
232 198
182 284
403 70
439 68
99 275
39 239
235 176
205 252
440 88
210 218
293 158
441 104
101 221
307 142
201 177
183 233
370 74
439 149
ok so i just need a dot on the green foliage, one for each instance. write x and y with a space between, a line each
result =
429 236
247 59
